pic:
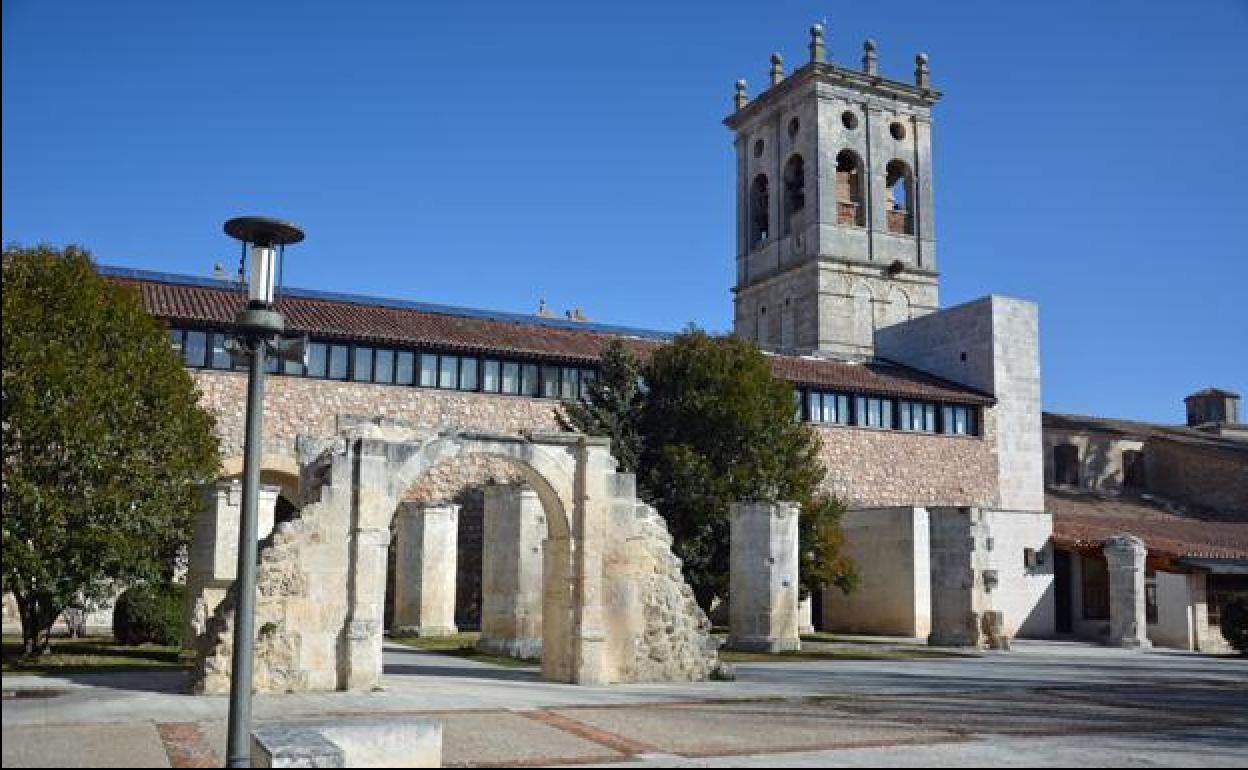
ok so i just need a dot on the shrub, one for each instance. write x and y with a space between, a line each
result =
1235 623
149 613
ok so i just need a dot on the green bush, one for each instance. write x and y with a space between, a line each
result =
1235 623
149 613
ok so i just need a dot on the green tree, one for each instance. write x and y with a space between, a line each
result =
718 427
104 441
612 406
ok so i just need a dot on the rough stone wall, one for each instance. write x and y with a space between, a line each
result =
676 644
298 405
1201 476
870 468
890 549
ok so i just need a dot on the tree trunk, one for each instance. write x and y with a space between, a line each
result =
37 620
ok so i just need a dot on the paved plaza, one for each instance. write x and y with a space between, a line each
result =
1043 704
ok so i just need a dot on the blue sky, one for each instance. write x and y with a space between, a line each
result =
1090 156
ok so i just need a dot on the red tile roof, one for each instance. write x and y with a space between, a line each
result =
388 322
1083 522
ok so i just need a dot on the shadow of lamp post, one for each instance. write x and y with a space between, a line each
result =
257 337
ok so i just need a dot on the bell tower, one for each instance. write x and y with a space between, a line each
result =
835 234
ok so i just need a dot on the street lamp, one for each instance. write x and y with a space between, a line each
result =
258 330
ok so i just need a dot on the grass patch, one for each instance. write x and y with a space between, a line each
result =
462 645
806 656
93 654
825 637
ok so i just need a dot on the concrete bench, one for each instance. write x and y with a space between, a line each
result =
348 742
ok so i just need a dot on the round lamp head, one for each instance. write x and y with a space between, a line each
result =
263 231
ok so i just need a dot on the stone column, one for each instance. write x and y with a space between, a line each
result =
959 576
763 592
213 554
511 571
426 551
806 616
1128 622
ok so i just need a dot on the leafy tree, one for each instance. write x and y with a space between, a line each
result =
104 441
704 424
612 406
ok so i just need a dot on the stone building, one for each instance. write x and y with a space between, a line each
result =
930 417
1180 490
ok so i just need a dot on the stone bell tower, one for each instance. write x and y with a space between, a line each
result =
835 235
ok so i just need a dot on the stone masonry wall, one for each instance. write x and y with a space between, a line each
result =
867 468
870 468
1200 476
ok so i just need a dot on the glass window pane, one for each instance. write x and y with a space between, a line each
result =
814 407
383 366
550 382
886 413
196 347
272 364
587 379
220 356
568 389
175 340
467 374
448 372
929 418
828 413
528 384
318 358
428 370
338 362
362 368
405 367
511 377
490 377
294 368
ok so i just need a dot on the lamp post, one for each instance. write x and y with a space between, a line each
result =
258 330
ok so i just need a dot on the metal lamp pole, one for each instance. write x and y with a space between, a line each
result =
258 335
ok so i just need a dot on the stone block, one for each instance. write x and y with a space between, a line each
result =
763 588
348 743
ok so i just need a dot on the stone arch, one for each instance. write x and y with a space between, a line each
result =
896 308
862 318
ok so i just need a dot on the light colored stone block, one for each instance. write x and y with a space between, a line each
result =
511 571
379 742
763 585
426 546
1128 619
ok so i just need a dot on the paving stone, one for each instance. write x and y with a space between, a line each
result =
113 745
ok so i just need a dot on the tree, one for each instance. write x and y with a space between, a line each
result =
612 406
717 428
104 441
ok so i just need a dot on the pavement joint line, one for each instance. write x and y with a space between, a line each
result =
617 743
928 740
186 745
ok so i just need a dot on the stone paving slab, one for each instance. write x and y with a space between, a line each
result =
714 729
114 745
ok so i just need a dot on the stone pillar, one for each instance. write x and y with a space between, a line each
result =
959 576
806 616
763 589
1128 622
213 554
511 571
426 551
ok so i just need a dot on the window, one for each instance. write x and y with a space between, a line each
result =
362 365
428 370
292 368
794 190
318 359
221 356
828 407
568 390
467 374
490 376
511 377
528 383
588 376
1095 588
195 348
448 372
1066 465
383 366
760 211
1221 589
550 382
900 183
175 340
338 355
405 368
875 412
1133 468
849 207
916 416
958 420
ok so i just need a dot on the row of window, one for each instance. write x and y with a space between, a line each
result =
203 349
887 413
363 363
